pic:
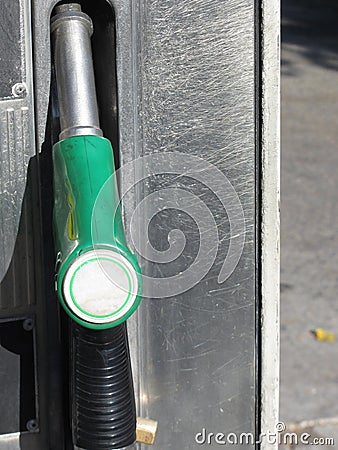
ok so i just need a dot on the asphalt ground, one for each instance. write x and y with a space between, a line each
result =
309 211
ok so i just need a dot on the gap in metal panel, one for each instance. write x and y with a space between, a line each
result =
258 216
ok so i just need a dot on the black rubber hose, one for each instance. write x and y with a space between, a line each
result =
102 393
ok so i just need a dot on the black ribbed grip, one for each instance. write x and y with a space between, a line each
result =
102 393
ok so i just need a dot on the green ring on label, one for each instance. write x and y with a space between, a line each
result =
107 315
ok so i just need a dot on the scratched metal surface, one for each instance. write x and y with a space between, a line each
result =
196 349
16 123
11 62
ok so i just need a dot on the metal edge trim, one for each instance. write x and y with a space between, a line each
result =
270 222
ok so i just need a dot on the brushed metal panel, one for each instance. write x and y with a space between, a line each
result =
194 352
10 441
16 138
11 47
16 150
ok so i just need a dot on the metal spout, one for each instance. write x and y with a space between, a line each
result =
71 32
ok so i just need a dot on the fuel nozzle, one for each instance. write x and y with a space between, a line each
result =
98 279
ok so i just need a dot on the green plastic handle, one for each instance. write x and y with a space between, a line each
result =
88 239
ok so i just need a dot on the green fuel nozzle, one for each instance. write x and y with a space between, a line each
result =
98 278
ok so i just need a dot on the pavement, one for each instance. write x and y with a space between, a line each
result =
309 212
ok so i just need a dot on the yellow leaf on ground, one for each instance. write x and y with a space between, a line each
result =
323 336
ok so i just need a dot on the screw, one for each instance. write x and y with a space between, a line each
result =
32 425
19 90
28 324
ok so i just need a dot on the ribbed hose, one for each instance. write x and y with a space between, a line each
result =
102 394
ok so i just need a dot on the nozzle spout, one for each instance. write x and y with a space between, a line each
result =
71 34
